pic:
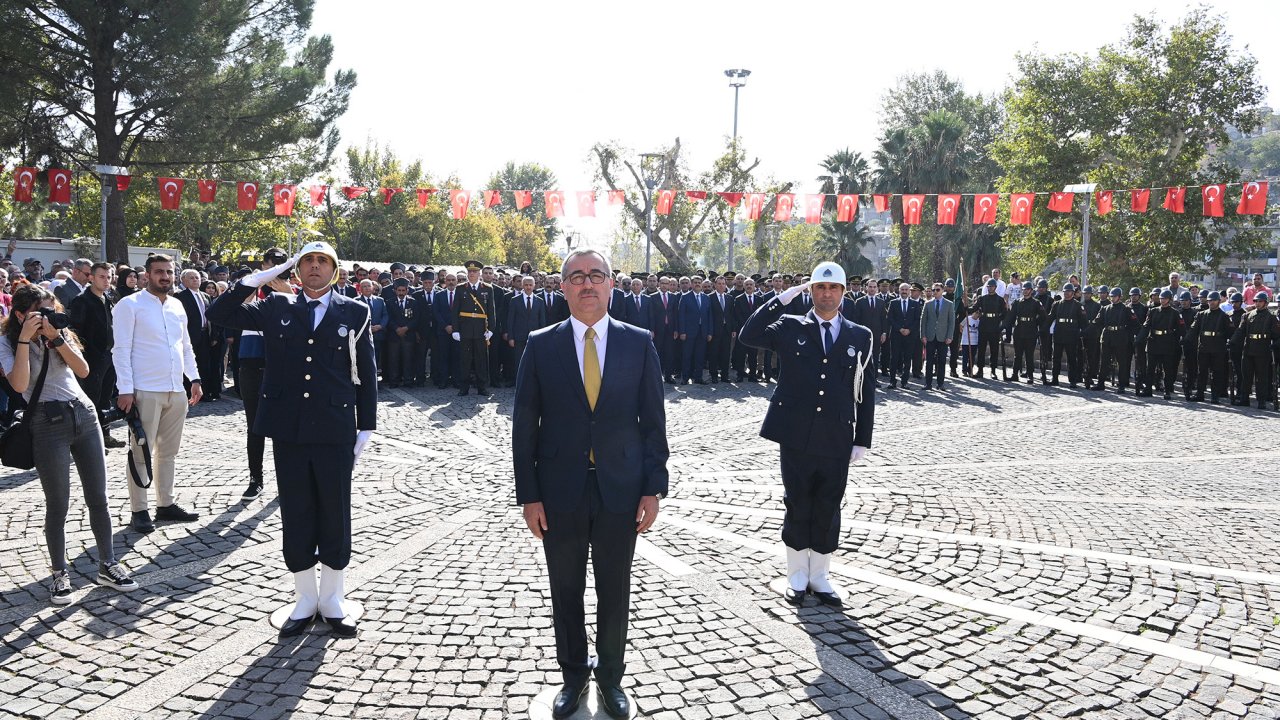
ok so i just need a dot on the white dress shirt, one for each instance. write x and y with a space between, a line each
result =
324 305
580 341
152 350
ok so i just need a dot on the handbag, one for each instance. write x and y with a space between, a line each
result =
17 446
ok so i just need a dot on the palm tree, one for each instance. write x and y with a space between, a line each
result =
894 174
846 173
941 158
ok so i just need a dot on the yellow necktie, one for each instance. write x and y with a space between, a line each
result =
591 375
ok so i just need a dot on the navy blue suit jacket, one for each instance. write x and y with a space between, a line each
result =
554 428
442 310
520 321
692 320
643 317
909 320
873 314
307 392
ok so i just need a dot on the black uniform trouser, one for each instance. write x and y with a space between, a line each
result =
665 345
1215 362
936 360
744 359
1092 355
1167 363
1070 346
1257 370
1190 369
610 540
1141 373
814 488
315 502
251 370
1046 352
955 350
421 345
1237 373
1122 356
917 358
445 360
886 355
718 355
497 358
1024 355
399 358
517 352
988 341
474 360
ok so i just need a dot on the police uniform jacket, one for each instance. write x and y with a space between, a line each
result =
1211 330
825 402
1117 324
1164 330
1026 317
1092 308
309 394
991 313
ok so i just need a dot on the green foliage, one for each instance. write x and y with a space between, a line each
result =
800 248
1142 113
845 173
532 177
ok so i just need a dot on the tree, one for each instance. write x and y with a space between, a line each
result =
534 178
674 234
895 174
846 173
171 84
1141 113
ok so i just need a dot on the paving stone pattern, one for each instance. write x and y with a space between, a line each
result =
1151 526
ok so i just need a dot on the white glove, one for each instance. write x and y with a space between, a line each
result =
858 453
488 334
457 336
792 293
262 277
362 439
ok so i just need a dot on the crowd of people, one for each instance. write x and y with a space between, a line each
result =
136 343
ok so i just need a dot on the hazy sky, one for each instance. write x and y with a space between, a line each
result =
467 86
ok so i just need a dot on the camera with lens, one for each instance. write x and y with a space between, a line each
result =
278 258
58 320
108 415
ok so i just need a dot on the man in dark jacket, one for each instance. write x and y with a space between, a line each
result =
90 313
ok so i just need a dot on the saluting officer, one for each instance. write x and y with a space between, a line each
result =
319 407
821 416
472 327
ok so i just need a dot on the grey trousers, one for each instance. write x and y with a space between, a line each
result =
66 431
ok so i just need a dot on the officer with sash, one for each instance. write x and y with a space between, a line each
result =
473 324
319 407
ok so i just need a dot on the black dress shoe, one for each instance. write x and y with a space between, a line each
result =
614 701
142 522
292 628
339 627
829 599
482 391
566 702
464 391
175 514
795 597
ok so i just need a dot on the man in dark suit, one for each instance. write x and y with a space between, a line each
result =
640 309
402 323
744 358
319 406
90 314
663 305
872 312
904 333
445 360
196 303
425 330
557 309
588 480
79 282
722 332
821 417
617 310
526 313
694 317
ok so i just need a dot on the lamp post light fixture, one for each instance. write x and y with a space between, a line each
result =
737 79
650 182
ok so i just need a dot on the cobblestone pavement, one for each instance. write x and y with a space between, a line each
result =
1008 552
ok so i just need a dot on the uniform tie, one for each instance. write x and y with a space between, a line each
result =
827 340
591 375
311 313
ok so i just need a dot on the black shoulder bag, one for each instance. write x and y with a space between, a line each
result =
17 447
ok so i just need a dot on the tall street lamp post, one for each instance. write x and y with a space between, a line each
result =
650 182
737 78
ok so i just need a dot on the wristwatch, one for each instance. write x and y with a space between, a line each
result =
57 342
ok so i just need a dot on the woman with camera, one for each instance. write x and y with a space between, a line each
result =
64 427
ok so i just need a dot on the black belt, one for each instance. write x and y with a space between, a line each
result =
1027 319
991 314
1114 327
1209 334
1262 336
1066 320
1159 332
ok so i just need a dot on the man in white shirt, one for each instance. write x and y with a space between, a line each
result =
152 353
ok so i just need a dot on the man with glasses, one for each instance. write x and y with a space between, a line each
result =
937 325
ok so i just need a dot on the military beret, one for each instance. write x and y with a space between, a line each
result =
401 283
950 283
473 265
1043 284
427 275
1088 290
1237 298
992 283
1068 288
1185 296
1166 294
1262 296
1117 292
1135 291
1214 296
1025 286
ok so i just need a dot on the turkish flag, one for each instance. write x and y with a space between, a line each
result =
354 192
524 198
1138 200
318 193
755 205
60 186
785 203
388 193
1173 199
424 195
947 207
283 196
554 201
247 195
459 200
1020 206
1211 200
208 190
666 198
1104 199
122 182
1061 201
170 192
24 179
617 197
1253 199
881 202
696 194
912 209
813 208
984 208
846 208
733 198
586 203
492 197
